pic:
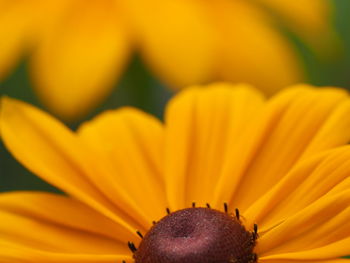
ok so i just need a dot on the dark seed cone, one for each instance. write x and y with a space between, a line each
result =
197 235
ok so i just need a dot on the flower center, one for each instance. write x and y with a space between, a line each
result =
197 235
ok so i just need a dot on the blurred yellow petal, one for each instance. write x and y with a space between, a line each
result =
311 15
176 40
133 135
250 49
200 127
21 24
16 20
11 34
53 152
312 19
82 47
79 59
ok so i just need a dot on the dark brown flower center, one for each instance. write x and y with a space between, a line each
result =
197 235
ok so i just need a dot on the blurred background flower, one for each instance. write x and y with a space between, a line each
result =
77 58
77 50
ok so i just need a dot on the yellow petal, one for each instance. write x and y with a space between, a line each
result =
63 211
176 39
320 231
48 223
279 260
313 178
10 253
78 60
332 251
334 245
202 123
131 142
54 153
250 49
295 124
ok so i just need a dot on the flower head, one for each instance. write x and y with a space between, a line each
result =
81 47
270 176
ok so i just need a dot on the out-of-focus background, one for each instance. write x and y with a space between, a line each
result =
139 86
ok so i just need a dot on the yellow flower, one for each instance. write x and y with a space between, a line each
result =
280 164
82 47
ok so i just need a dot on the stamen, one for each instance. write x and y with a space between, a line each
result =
255 233
208 205
139 233
237 214
168 210
255 228
225 207
132 247
193 204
